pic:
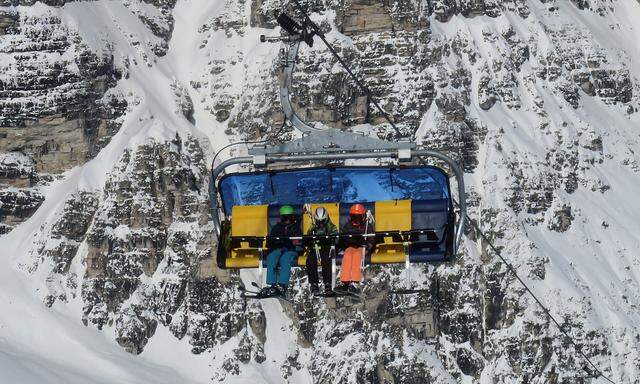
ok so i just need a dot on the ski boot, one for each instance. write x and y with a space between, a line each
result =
268 291
353 289
281 290
342 288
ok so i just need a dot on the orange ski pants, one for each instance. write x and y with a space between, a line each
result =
351 262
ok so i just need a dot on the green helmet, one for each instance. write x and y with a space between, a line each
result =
286 210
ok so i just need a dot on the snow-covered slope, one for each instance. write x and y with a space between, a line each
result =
111 113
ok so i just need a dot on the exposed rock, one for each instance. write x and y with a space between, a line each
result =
561 220
8 23
53 108
160 25
258 322
17 205
216 314
70 230
365 17
453 107
183 100
486 92
56 143
459 139
581 4
133 329
143 222
20 196
16 170
149 242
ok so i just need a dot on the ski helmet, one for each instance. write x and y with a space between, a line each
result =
286 210
356 214
357 209
321 214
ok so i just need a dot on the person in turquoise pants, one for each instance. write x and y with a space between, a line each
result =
283 252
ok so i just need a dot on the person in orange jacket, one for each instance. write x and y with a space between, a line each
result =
355 248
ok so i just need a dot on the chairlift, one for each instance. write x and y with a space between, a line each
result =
412 204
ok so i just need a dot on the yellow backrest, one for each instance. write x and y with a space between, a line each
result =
334 215
393 215
249 220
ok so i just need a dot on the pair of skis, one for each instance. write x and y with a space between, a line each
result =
339 294
250 294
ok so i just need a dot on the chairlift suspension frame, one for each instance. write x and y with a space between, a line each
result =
323 144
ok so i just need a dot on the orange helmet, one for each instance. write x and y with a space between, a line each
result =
357 209
356 215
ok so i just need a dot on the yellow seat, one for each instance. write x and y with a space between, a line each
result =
242 261
247 221
391 215
334 215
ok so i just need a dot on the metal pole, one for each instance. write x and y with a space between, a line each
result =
213 189
285 100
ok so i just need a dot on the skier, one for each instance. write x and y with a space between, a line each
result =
321 226
283 252
355 247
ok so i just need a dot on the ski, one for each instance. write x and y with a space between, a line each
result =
250 294
244 290
258 296
357 296
407 291
325 294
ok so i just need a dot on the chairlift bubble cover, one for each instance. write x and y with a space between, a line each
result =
344 185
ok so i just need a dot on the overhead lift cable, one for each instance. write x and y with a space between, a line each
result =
540 304
361 85
510 267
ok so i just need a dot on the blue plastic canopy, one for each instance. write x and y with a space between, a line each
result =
344 185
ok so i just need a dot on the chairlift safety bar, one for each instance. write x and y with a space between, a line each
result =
338 236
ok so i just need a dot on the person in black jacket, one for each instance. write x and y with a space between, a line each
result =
283 251
355 247
322 226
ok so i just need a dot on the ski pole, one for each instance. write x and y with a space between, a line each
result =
366 229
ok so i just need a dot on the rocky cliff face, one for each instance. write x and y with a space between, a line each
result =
538 100
55 111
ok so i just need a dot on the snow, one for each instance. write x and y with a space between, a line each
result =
591 269
43 345
38 344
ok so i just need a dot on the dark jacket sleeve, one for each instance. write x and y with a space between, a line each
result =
357 241
295 229
330 229
346 241
284 230
276 230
